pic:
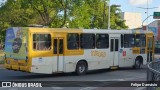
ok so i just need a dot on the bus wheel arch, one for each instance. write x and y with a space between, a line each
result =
81 67
138 62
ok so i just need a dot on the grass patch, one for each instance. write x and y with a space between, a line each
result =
158 88
2 62
1 53
1 57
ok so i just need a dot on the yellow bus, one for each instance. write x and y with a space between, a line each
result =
60 50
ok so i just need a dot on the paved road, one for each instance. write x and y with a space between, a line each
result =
123 74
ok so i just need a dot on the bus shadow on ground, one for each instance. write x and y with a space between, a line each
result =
111 70
31 76
42 76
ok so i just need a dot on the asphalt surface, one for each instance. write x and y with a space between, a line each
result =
123 74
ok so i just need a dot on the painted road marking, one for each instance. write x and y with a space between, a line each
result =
13 89
140 88
111 80
88 88
56 88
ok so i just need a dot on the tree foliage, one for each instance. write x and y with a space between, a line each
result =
60 13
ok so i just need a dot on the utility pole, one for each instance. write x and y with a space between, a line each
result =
108 14
147 13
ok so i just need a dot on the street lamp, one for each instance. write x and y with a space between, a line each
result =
109 11
147 13
146 19
108 14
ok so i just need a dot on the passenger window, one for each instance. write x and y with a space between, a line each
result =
129 40
102 41
55 46
87 41
112 45
61 46
116 44
140 40
41 41
73 41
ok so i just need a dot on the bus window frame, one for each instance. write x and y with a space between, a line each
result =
77 41
107 45
124 39
140 40
93 40
43 49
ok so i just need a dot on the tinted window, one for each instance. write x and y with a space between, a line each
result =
112 44
129 40
41 41
116 45
140 40
122 41
61 46
73 41
55 46
102 40
87 41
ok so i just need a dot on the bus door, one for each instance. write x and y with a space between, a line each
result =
114 50
150 49
59 52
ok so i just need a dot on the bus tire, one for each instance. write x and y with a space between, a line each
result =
137 64
81 68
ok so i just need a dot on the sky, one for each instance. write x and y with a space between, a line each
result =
137 6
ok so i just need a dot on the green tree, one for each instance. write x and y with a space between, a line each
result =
80 15
116 21
94 14
59 13
46 9
13 14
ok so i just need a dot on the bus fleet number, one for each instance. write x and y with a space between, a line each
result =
98 53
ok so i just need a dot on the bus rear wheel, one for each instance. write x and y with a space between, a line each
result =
81 68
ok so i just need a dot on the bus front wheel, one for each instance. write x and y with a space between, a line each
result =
81 68
137 64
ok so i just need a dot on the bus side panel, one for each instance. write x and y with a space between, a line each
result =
46 65
122 58
70 62
128 57
97 58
